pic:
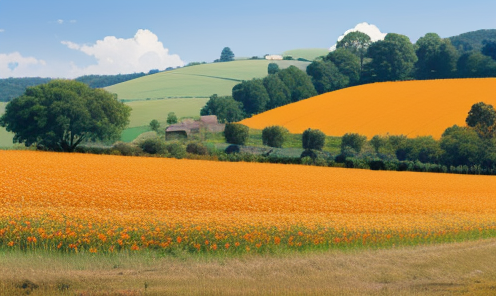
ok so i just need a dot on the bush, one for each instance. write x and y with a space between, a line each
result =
153 146
236 133
273 68
313 139
355 141
196 148
171 118
176 150
232 149
308 153
274 136
127 149
377 164
154 125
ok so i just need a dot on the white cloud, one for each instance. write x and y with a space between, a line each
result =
72 21
371 30
2 30
117 55
60 22
15 65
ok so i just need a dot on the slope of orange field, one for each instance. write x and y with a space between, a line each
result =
411 108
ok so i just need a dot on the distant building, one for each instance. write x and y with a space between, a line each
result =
273 57
187 127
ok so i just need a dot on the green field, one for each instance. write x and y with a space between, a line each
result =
196 81
5 137
307 53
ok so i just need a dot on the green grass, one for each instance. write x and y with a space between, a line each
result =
307 53
196 81
5 136
128 135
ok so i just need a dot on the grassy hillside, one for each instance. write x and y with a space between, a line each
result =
196 81
5 137
307 53
412 108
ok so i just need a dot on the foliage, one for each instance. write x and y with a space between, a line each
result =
482 118
347 63
176 149
354 141
61 114
326 76
313 139
100 81
357 43
475 64
273 68
225 108
392 59
377 142
236 133
171 118
274 136
127 149
154 125
472 40
11 88
196 148
226 55
252 94
298 82
153 146
436 57
279 93
462 146
231 149
489 49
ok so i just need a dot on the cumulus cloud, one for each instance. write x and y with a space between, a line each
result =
115 55
371 30
15 65
2 30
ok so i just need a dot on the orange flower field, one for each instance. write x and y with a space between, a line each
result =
102 203
411 108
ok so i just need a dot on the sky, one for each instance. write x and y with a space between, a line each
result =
70 38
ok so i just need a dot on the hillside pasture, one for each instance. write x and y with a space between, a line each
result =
306 53
5 136
196 81
411 108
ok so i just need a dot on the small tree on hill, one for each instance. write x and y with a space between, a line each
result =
354 141
236 133
226 55
482 118
171 118
313 139
274 136
154 125
273 68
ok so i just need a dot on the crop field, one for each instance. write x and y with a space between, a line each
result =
411 108
102 204
196 81
307 53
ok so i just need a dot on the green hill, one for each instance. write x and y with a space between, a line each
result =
306 53
196 81
472 40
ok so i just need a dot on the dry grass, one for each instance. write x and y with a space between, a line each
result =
450 269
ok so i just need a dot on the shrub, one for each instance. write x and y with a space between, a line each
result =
236 133
153 146
274 136
232 149
377 164
171 118
126 149
273 68
196 148
308 153
154 125
176 150
377 142
355 141
313 139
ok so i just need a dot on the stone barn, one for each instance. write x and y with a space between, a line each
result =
188 127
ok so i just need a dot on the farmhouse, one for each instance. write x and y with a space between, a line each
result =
187 127
273 57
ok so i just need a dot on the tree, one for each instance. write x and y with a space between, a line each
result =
279 94
461 146
171 118
313 139
353 141
489 49
274 136
61 114
273 68
226 55
225 108
236 133
482 118
348 64
392 59
357 43
475 64
252 94
326 76
298 82
436 57
154 125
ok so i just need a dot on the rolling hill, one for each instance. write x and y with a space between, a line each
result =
411 108
306 53
196 81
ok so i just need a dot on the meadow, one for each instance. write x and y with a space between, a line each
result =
5 137
196 81
411 108
307 53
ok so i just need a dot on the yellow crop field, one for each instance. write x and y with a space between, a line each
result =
411 108
102 203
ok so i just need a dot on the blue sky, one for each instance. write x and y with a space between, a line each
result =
73 37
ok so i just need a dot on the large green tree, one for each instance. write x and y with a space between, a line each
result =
226 55
475 64
298 82
482 118
326 76
279 93
392 59
226 109
436 57
252 94
61 114
356 43
347 63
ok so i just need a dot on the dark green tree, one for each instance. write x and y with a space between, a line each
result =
489 49
61 114
392 59
171 118
279 94
225 108
274 136
154 125
236 133
461 146
252 94
348 64
313 139
353 141
226 55
298 82
356 43
326 76
436 57
424 149
273 68
482 118
378 142
475 65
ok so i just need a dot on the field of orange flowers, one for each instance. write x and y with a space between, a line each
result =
102 203
411 108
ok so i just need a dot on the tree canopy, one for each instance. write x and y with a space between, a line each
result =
226 109
298 82
356 43
61 114
436 57
252 94
226 55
